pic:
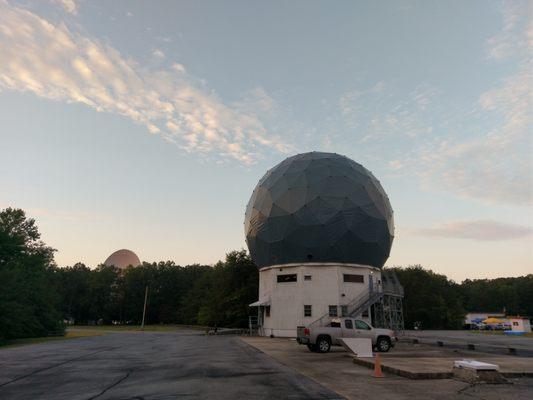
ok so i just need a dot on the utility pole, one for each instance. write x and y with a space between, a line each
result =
144 309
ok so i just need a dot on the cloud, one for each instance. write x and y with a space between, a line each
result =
158 54
179 68
482 230
69 6
485 153
57 62
378 114
510 40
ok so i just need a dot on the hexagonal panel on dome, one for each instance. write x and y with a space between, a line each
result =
319 207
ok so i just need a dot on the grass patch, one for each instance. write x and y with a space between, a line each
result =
78 331
68 335
135 328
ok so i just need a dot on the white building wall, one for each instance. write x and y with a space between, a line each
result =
326 287
520 325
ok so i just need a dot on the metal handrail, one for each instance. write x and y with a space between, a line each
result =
353 305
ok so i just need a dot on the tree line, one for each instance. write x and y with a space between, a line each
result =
191 295
37 296
437 302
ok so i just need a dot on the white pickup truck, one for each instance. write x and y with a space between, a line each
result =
321 338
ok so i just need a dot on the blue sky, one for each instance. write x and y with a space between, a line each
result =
146 125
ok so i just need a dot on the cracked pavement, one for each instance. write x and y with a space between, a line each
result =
150 366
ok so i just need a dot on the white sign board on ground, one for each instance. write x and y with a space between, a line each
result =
361 347
476 365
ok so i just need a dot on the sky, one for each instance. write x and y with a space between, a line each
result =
146 125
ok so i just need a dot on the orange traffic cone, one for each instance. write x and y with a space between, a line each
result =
377 368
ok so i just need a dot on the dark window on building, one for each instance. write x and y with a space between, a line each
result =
348 324
354 278
332 311
287 278
361 325
267 311
365 314
307 311
344 311
307 277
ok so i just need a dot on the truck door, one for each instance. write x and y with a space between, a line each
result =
362 329
347 328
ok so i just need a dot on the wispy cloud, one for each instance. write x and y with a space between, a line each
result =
378 114
57 62
69 6
483 230
158 54
510 41
491 162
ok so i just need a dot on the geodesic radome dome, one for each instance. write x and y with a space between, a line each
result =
319 207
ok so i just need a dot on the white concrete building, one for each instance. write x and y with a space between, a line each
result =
292 295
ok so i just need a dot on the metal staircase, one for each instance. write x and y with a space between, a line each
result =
353 309
384 303
388 313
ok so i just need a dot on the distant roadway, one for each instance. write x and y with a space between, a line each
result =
483 341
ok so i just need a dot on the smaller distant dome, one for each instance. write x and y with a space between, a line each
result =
122 259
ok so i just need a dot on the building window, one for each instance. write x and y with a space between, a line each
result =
365 314
267 311
307 311
333 311
354 278
287 278
307 277
344 311
348 324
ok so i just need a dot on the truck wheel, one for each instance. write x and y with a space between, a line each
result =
312 347
323 344
383 344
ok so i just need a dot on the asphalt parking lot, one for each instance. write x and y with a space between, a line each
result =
190 365
150 366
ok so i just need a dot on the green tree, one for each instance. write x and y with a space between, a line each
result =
105 295
235 285
74 291
430 298
28 299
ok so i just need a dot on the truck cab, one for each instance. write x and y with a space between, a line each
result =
321 338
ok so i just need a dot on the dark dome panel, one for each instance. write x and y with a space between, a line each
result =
319 207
